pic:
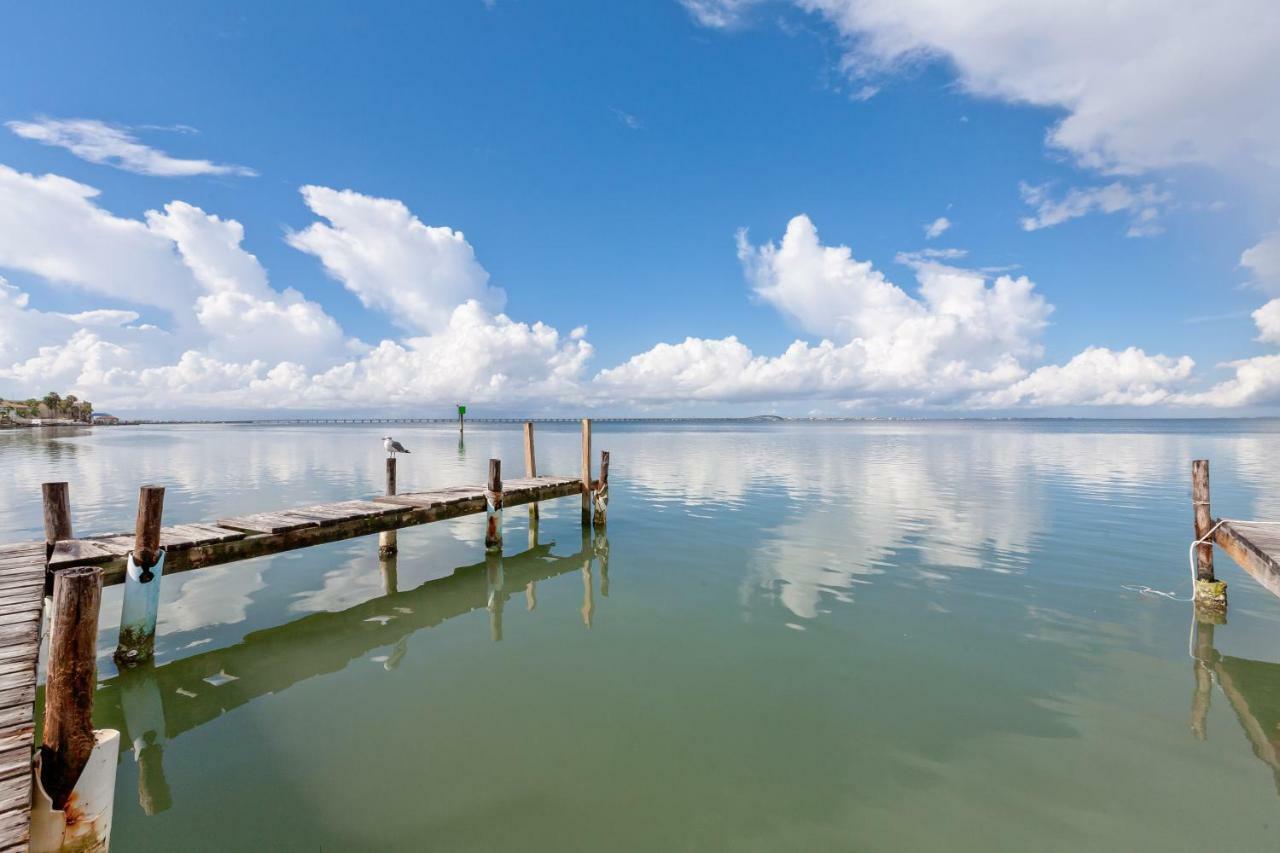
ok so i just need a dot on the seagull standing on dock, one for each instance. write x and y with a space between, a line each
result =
392 446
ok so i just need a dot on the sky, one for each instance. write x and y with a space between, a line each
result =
669 207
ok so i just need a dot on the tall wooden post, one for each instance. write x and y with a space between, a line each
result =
1203 518
530 470
493 507
1209 591
601 495
586 471
69 686
57 515
388 544
142 581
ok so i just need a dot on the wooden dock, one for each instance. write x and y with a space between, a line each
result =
22 579
74 569
226 540
1255 545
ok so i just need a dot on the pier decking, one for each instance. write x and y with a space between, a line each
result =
192 546
29 570
1255 546
22 578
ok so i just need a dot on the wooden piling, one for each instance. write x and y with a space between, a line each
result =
388 541
141 604
601 492
146 536
586 471
530 470
1203 518
57 515
493 507
69 685
1208 589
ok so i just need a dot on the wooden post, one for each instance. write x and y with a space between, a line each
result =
146 533
530 470
493 507
57 516
1209 591
1203 518
602 491
388 544
586 471
142 581
387 565
69 686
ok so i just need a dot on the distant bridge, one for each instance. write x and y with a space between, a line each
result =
300 421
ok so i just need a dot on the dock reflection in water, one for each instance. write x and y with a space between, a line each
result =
1251 687
152 705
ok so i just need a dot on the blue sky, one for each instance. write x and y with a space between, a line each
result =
599 160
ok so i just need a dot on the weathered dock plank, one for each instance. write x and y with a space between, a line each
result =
267 522
1255 546
21 612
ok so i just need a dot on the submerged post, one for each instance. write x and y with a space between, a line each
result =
586 471
142 581
531 471
388 545
1209 590
493 507
68 699
57 515
602 491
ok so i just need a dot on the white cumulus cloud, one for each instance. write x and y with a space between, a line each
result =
1097 377
1146 84
392 261
1267 319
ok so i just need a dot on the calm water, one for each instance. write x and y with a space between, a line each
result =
888 636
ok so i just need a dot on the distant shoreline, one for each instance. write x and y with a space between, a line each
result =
751 419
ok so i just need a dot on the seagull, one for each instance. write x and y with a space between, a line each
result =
392 446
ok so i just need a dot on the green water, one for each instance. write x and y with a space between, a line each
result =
878 636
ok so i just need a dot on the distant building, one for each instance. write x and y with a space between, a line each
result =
103 419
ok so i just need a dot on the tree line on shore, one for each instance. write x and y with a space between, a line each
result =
52 405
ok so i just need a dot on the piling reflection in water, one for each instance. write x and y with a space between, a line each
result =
1251 687
152 704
